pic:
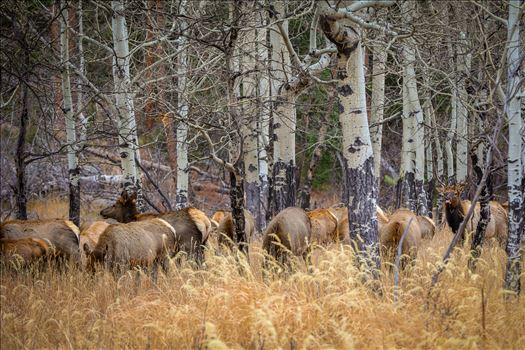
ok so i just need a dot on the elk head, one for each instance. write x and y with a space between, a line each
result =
454 213
452 193
124 210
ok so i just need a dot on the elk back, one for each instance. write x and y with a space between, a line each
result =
62 235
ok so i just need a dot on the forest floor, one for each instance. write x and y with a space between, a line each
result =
228 304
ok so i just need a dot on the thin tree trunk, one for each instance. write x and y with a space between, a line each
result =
439 162
357 146
516 239
149 106
484 201
264 119
182 109
124 100
249 114
415 112
55 42
304 196
237 205
284 123
463 69
21 192
429 159
264 135
69 113
237 198
451 174
378 106
405 189
82 134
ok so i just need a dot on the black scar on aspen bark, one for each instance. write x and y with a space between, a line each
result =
340 107
352 149
252 168
358 142
363 228
343 46
283 188
357 111
344 90
123 154
341 75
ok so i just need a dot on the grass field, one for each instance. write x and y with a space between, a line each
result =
223 306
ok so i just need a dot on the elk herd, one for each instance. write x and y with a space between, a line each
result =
149 241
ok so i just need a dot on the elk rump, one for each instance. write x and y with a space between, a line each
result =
390 235
61 235
226 230
28 250
288 232
143 244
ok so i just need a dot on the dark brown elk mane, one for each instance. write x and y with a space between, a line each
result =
454 212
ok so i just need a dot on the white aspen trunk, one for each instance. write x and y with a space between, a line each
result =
405 185
264 124
440 164
415 113
357 146
284 122
450 139
69 113
80 86
463 70
378 106
249 57
429 157
516 170
182 109
127 126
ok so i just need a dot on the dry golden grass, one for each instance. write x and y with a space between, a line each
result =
222 306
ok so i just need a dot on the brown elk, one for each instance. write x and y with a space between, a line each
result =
226 229
191 225
24 250
288 232
90 237
456 209
324 226
146 244
390 235
427 226
343 229
219 215
61 235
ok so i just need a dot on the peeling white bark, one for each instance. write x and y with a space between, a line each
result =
284 119
451 173
413 108
463 70
378 105
516 170
69 113
182 109
127 126
357 146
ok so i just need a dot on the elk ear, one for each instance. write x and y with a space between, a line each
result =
87 249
